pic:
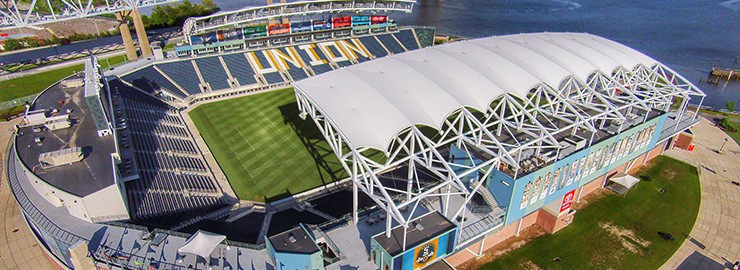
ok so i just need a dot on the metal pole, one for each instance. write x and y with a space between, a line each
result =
698 109
723 146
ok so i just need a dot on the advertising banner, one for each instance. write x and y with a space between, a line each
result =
378 19
300 27
342 22
360 20
425 253
278 29
255 31
567 201
321 25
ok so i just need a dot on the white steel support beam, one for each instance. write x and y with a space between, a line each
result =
577 104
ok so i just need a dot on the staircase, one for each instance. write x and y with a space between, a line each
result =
488 197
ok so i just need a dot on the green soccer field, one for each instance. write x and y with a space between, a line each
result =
266 151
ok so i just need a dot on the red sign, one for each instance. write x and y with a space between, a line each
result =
342 21
567 201
378 19
277 29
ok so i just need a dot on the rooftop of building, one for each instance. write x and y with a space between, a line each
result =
422 229
83 178
295 240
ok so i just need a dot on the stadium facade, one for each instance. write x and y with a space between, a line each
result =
479 139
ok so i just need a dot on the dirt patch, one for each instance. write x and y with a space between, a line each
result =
591 197
623 234
508 245
669 174
636 171
529 265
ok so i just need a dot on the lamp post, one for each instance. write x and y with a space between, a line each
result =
723 146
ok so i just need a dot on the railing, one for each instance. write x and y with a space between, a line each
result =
320 233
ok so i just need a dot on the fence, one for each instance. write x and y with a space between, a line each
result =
18 101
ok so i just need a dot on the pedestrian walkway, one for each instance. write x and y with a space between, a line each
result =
19 248
714 241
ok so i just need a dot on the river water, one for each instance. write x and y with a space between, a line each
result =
686 35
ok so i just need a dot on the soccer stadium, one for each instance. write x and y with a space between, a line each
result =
322 135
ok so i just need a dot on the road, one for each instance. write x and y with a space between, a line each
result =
83 48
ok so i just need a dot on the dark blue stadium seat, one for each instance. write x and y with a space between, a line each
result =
240 68
150 80
213 72
183 73
162 146
273 78
391 43
406 37
297 73
373 46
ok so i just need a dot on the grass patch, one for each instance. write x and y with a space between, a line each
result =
31 84
7 113
644 211
734 134
266 151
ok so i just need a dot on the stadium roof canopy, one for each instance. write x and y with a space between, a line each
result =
371 102
504 98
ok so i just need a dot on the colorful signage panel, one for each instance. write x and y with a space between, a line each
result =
425 253
567 201
342 22
278 29
378 19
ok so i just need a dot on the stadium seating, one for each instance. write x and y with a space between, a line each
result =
245 229
183 73
150 80
391 43
173 177
297 73
321 68
344 63
373 46
273 77
240 68
425 35
406 37
316 69
213 72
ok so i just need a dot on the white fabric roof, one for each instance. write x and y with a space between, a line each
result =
202 243
627 181
371 102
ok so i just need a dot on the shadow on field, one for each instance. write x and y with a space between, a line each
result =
278 197
699 261
314 141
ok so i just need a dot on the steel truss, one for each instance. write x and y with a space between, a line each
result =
199 25
14 14
527 123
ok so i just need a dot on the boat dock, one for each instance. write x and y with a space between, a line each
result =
727 73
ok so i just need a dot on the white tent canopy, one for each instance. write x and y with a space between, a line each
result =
625 182
202 243
372 101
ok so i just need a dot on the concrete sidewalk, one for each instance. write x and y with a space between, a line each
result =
715 238
19 248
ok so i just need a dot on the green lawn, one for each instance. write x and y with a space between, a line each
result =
266 151
643 210
734 134
31 84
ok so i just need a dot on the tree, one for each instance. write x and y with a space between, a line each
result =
730 105
12 45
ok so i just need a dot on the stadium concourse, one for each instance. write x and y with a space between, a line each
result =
482 138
